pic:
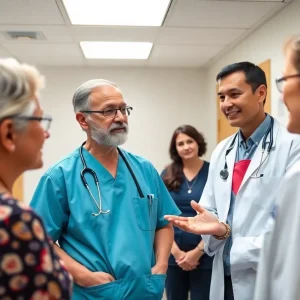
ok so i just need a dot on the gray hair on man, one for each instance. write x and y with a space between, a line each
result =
18 84
81 98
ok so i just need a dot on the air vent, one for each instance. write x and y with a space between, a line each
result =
24 35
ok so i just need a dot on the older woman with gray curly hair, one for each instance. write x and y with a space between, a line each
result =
29 267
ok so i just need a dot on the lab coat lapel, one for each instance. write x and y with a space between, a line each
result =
230 164
255 161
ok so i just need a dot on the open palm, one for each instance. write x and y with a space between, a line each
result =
203 223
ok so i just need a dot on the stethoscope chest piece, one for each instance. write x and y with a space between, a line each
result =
224 174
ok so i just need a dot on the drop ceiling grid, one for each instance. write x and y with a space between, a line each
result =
194 32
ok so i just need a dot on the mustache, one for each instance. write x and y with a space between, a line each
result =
118 125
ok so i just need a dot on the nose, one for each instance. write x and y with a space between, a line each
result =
226 103
119 117
46 134
185 146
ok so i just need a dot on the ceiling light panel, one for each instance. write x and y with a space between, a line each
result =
117 12
116 50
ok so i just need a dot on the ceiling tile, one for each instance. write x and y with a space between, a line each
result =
198 36
46 53
30 12
179 55
219 14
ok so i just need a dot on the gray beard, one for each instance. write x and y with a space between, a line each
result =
104 137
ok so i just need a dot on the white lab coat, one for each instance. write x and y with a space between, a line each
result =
253 204
278 275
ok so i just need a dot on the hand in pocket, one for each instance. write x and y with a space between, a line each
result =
90 279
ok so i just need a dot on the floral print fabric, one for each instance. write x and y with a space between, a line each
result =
29 267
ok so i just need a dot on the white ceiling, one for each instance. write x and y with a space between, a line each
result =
193 33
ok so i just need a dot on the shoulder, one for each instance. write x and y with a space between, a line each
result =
285 137
165 170
206 165
137 160
17 216
224 144
64 164
283 132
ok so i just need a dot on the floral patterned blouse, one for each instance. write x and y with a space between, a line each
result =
29 267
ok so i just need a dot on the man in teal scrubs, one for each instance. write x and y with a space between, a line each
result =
110 227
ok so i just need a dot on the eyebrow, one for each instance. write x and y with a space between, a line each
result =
229 91
110 104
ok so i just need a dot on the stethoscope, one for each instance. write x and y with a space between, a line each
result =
86 170
225 173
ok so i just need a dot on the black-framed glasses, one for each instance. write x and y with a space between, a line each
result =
45 120
110 112
280 81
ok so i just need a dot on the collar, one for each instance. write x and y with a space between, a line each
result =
257 135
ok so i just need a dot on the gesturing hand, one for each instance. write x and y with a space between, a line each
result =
203 223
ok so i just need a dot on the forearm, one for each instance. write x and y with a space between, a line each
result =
211 244
163 243
200 246
76 269
175 249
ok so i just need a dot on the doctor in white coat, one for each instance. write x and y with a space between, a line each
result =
244 174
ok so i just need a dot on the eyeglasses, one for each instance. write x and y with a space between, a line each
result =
281 81
111 112
45 120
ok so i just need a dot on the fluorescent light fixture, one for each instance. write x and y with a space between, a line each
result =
116 50
117 12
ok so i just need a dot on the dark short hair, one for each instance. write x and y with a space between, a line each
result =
254 75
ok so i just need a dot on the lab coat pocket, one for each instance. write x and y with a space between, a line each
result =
146 213
99 292
266 189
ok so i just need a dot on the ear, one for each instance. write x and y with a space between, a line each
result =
7 135
81 119
262 93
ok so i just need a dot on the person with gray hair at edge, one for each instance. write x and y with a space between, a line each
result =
29 266
105 206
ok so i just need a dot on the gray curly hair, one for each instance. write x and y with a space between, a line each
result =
18 83
294 45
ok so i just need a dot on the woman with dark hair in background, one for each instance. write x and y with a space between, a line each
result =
189 267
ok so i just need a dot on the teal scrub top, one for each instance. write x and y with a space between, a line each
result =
119 243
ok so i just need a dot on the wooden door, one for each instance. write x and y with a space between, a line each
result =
223 127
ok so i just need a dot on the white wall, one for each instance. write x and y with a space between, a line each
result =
265 43
162 99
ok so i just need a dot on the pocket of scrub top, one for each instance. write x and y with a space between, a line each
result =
157 286
111 290
146 213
